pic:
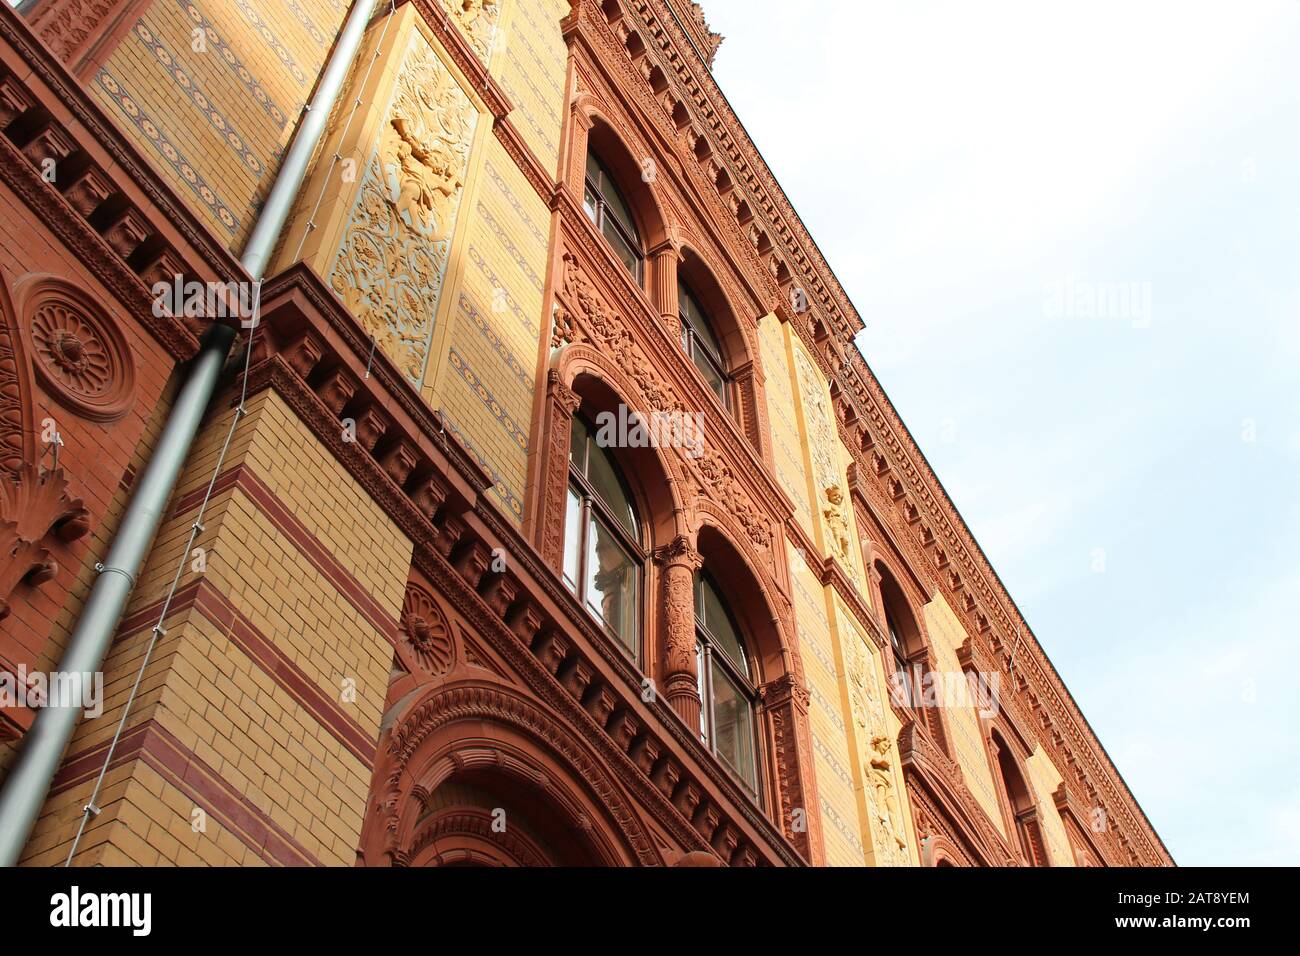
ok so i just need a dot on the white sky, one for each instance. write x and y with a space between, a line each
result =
958 163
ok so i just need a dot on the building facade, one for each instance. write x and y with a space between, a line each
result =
548 514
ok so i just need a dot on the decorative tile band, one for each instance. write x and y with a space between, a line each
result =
490 401
272 41
198 97
131 110
467 309
530 326
511 198
509 246
236 65
499 485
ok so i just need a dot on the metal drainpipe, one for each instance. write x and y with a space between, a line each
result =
28 782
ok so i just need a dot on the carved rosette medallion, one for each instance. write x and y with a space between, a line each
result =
79 356
425 631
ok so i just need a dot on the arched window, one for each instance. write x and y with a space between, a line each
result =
911 663
1020 804
603 556
607 208
726 684
902 640
701 343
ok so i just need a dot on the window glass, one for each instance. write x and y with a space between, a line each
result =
605 481
572 539
733 725
712 614
697 319
611 585
711 375
700 686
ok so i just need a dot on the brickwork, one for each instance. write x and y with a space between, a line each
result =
261 703
212 89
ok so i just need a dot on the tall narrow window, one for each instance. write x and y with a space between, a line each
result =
902 667
700 342
725 683
606 207
603 557
1020 802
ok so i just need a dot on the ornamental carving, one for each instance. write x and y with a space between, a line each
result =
680 561
871 731
478 20
822 446
34 505
77 352
391 262
592 321
505 706
425 630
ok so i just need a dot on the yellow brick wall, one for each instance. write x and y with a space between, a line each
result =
783 418
833 761
221 701
961 723
211 90
530 61
1044 779
482 376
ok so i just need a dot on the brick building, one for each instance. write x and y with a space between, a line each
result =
425 612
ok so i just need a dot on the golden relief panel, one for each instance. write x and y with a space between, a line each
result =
392 259
877 752
479 21
832 501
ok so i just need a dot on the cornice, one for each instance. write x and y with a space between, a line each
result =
76 112
311 353
691 80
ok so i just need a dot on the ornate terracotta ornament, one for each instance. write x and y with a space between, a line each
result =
425 629
77 352
32 506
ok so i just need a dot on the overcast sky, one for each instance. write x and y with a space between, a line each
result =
1073 231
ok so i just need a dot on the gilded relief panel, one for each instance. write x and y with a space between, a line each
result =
390 265
829 487
874 735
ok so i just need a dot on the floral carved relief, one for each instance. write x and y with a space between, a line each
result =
478 21
589 320
76 350
822 443
887 829
425 632
391 262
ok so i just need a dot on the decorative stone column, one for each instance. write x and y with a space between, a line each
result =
561 403
679 561
783 705
665 257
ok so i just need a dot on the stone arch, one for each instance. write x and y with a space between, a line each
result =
742 573
624 161
1020 806
659 476
498 741
724 313
900 613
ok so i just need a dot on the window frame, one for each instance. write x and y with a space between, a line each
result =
628 233
589 498
691 339
705 645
